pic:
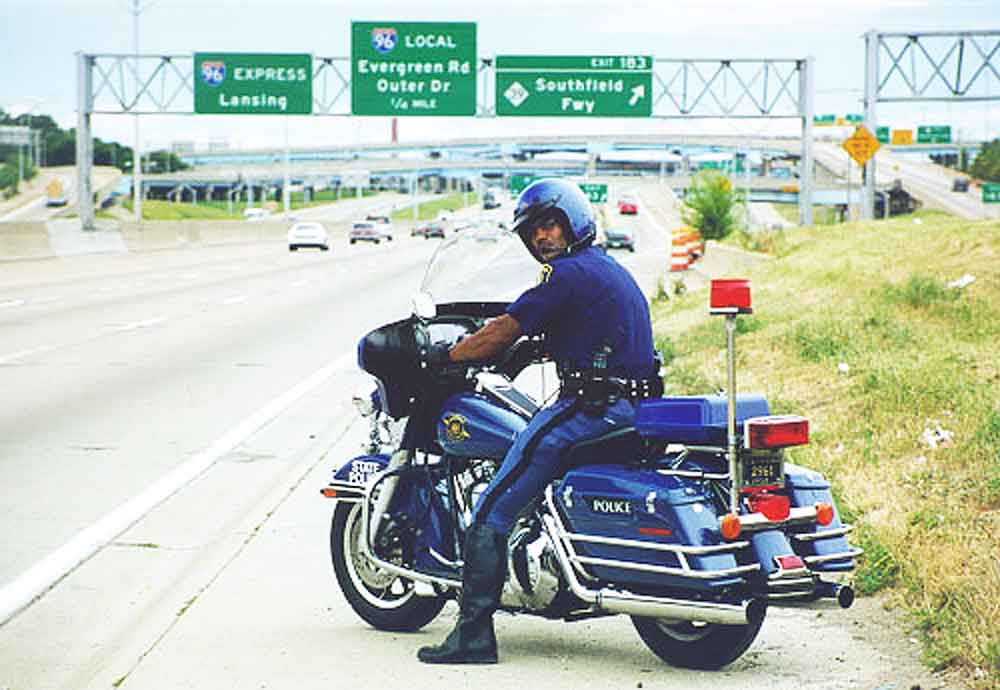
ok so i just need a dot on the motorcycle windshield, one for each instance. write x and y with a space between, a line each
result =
479 264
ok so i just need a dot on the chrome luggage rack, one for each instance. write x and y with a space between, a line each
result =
682 553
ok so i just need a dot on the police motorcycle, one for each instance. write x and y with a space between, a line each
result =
692 523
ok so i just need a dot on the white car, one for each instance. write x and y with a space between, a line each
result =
308 234
382 224
370 230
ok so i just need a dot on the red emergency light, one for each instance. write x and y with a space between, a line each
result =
777 431
731 296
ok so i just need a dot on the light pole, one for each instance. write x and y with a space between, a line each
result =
137 8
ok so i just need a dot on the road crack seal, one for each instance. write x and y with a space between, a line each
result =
251 536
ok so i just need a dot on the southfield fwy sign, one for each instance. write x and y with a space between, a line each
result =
253 84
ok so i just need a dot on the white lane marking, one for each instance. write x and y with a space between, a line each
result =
12 303
141 324
235 300
299 283
47 300
47 573
21 354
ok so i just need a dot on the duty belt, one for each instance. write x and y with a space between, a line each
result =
588 385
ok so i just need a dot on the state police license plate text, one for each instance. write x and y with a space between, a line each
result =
762 472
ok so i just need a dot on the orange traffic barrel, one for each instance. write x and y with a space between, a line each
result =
680 257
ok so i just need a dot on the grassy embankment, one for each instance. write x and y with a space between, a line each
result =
219 210
428 210
909 430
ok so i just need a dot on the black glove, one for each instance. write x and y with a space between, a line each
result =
437 355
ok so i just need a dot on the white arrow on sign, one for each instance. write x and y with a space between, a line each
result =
637 93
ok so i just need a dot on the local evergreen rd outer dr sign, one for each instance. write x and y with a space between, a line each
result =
413 68
253 84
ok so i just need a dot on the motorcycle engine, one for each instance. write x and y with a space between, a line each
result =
533 576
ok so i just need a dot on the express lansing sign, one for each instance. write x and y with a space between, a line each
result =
413 68
253 83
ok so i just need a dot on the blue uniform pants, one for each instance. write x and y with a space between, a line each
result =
535 458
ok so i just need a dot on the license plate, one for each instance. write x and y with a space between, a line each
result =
763 471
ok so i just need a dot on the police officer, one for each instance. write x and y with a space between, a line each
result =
597 329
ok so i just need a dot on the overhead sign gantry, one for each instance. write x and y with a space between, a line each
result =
412 69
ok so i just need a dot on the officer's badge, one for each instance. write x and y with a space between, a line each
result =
454 428
545 273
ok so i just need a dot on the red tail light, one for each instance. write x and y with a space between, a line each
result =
776 431
730 297
789 562
772 506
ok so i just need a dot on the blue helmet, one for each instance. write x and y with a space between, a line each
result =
553 197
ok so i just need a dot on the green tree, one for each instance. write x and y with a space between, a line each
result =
710 204
987 163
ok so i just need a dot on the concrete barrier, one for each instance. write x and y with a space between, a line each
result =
152 236
27 240
63 237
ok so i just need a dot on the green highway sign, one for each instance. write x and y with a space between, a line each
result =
578 86
882 134
519 182
824 119
597 193
413 68
854 119
934 134
253 84
991 193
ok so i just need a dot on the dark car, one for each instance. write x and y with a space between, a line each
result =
428 230
619 237
961 184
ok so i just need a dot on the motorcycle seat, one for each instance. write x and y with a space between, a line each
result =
622 446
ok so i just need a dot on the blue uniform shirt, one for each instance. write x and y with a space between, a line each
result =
584 302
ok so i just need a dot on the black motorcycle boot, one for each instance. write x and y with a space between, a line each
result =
473 640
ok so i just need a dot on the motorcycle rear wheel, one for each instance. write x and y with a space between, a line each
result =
383 600
705 646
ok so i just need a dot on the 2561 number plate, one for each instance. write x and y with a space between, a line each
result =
763 471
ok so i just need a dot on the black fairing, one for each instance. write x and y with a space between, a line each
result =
390 354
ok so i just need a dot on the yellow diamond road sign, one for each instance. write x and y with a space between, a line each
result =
861 145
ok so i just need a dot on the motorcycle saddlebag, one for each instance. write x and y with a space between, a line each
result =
806 488
650 517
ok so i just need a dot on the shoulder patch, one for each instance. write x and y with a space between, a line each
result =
545 273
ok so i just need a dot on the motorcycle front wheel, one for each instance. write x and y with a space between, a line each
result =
705 646
383 600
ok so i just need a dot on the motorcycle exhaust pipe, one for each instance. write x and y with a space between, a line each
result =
747 611
844 594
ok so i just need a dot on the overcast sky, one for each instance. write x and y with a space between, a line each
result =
38 40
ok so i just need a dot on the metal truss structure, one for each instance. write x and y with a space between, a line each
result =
906 67
704 88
